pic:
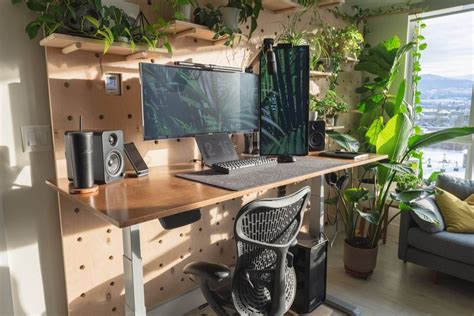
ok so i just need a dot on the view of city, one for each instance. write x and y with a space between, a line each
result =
446 89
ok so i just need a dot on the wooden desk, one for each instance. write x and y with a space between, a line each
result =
128 202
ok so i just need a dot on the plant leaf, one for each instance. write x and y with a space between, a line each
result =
423 213
393 139
398 167
417 141
354 195
371 217
412 195
346 141
374 130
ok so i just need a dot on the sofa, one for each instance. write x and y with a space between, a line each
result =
435 248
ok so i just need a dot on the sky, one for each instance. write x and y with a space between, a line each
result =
450 51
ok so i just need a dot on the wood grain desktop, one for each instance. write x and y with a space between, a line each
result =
136 200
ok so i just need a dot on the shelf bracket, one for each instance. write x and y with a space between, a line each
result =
71 48
185 33
139 55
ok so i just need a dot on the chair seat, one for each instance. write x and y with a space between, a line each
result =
454 246
207 270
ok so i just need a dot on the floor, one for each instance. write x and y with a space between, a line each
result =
395 288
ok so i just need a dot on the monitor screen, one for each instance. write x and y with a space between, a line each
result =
284 102
180 102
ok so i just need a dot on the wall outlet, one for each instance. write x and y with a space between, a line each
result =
36 138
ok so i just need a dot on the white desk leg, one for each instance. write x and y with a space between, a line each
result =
316 226
133 272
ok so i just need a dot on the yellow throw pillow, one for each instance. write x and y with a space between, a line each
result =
458 215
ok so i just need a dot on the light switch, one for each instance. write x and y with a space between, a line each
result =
36 138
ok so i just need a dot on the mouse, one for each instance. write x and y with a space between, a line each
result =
286 158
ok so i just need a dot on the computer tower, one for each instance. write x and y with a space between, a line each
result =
108 156
317 135
310 263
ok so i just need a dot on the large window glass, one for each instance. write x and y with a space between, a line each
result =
446 88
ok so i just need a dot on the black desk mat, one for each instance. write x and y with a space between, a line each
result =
248 178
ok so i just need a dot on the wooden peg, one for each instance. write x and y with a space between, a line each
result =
71 48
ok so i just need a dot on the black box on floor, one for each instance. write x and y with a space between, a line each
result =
310 262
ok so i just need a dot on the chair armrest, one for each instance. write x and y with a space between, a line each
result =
207 271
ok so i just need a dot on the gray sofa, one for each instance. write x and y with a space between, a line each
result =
437 249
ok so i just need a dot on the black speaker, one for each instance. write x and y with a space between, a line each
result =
310 263
79 158
317 135
108 156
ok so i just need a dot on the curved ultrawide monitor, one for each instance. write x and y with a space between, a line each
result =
181 102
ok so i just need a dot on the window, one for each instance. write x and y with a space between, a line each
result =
446 87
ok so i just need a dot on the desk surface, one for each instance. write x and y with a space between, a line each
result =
136 200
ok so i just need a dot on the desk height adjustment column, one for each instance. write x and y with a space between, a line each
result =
316 214
133 272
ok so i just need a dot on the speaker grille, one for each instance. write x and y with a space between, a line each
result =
317 136
114 163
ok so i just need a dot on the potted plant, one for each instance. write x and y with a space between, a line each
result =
182 9
313 108
240 11
387 127
329 106
350 42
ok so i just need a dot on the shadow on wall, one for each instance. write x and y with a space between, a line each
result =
5 309
30 209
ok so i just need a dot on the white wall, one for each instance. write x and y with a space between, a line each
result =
30 239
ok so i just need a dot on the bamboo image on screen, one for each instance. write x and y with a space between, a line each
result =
284 101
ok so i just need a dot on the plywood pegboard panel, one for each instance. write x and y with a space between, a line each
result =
92 247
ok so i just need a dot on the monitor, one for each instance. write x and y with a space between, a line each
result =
180 101
284 102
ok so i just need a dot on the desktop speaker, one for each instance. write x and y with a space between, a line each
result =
108 156
317 135
310 263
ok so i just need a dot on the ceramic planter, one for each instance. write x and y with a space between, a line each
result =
186 11
230 17
359 262
313 116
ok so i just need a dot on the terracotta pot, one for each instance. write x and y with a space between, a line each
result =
359 262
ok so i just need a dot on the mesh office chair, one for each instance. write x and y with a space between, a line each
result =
264 280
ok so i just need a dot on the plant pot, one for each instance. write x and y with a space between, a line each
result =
186 12
326 64
359 262
313 116
230 17
330 120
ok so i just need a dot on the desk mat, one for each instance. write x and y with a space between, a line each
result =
253 177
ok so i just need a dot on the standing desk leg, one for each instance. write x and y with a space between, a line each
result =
316 226
133 272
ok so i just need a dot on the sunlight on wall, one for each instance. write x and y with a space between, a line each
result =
23 179
6 134
157 157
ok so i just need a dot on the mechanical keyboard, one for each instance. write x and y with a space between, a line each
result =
236 165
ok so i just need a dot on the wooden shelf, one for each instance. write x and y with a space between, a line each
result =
350 60
181 29
319 74
281 6
334 128
70 44
328 3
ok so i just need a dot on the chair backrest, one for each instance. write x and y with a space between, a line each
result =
264 281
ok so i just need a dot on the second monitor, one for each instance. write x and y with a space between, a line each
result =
180 102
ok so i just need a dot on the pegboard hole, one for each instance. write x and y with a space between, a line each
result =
128 87
69 117
217 223
112 283
152 61
83 294
162 288
217 244
130 116
82 267
195 40
233 218
160 241
109 231
182 279
156 142
97 55
108 296
76 210
181 257
111 257
101 116
200 229
79 239
200 250
262 30
114 309
161 265
181 235
67 84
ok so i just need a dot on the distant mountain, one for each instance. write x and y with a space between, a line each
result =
435 82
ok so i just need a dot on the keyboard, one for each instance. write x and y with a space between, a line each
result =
236 165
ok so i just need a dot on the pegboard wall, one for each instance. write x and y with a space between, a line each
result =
92 247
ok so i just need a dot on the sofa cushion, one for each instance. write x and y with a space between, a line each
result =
460 188
458 215
454 246
430 204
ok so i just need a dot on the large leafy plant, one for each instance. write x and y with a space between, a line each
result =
387 127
